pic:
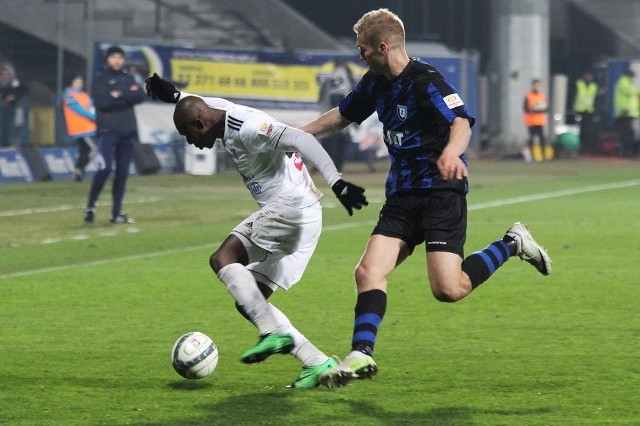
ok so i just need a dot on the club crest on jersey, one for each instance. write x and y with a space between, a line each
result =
255 188
453 101
402 112
297 161
265 128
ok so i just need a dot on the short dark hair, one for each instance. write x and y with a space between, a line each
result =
113 50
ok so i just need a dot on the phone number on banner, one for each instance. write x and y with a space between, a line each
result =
235 80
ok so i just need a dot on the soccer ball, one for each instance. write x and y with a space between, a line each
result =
194 355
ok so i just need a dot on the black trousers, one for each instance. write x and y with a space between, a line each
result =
627 136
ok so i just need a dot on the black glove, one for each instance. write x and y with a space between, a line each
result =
159 88
351 196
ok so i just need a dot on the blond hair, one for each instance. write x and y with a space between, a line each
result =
380 25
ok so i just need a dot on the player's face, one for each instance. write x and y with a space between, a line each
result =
115 61
198 135
371 55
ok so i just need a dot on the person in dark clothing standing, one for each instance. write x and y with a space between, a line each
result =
115 93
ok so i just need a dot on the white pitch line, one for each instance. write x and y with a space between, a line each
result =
554 194
479 206
152 254
105 261
66 207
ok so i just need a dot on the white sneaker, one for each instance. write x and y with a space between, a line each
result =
527 248
356 365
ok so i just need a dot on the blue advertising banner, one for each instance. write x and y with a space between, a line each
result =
14 167
60 161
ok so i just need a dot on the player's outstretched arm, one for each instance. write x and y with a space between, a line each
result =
159 88
295 140
327 124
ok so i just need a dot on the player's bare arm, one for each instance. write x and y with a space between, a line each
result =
449 163
328 123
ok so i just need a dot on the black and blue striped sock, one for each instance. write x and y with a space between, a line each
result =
479 266
369 311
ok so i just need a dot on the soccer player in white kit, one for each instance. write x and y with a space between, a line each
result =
272 247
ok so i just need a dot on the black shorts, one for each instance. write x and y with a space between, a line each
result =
438 217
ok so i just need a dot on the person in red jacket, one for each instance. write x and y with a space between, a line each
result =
80 118
535 118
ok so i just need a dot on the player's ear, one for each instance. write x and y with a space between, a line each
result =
198 124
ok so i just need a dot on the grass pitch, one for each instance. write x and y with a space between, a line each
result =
88 314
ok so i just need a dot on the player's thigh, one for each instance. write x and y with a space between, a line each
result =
445 272
278 228
280 241
380 258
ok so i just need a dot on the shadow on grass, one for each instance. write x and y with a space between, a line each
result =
190 385
333 408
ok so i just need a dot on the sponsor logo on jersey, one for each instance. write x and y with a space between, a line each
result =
393 138
402 112
453 101
265 128
297 161
255 188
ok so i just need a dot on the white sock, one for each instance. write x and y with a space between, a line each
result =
243 288
304 350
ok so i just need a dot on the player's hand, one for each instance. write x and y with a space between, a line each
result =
351 196
159 88
452 167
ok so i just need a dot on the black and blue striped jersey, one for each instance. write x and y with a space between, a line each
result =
416 109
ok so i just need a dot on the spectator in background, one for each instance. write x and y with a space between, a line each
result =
535 118
115 93
584 106
80 118
626 110
12 113
333 89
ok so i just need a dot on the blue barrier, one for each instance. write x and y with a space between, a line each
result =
14 166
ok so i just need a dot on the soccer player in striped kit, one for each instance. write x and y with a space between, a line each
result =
426 128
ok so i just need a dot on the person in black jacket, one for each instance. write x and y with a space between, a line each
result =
114 93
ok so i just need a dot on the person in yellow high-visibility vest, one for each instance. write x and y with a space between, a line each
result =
535 118
584 105
626 110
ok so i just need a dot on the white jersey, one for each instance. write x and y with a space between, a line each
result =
251 139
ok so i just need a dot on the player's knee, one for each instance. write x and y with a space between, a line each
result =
215 262
448 294
367 278
361 274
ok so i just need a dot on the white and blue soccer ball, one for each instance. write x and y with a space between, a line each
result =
194 355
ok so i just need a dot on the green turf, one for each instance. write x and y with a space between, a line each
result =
88 314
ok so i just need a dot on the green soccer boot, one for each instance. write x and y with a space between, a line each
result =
268 345
309 377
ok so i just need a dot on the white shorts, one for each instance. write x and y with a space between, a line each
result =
280 241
